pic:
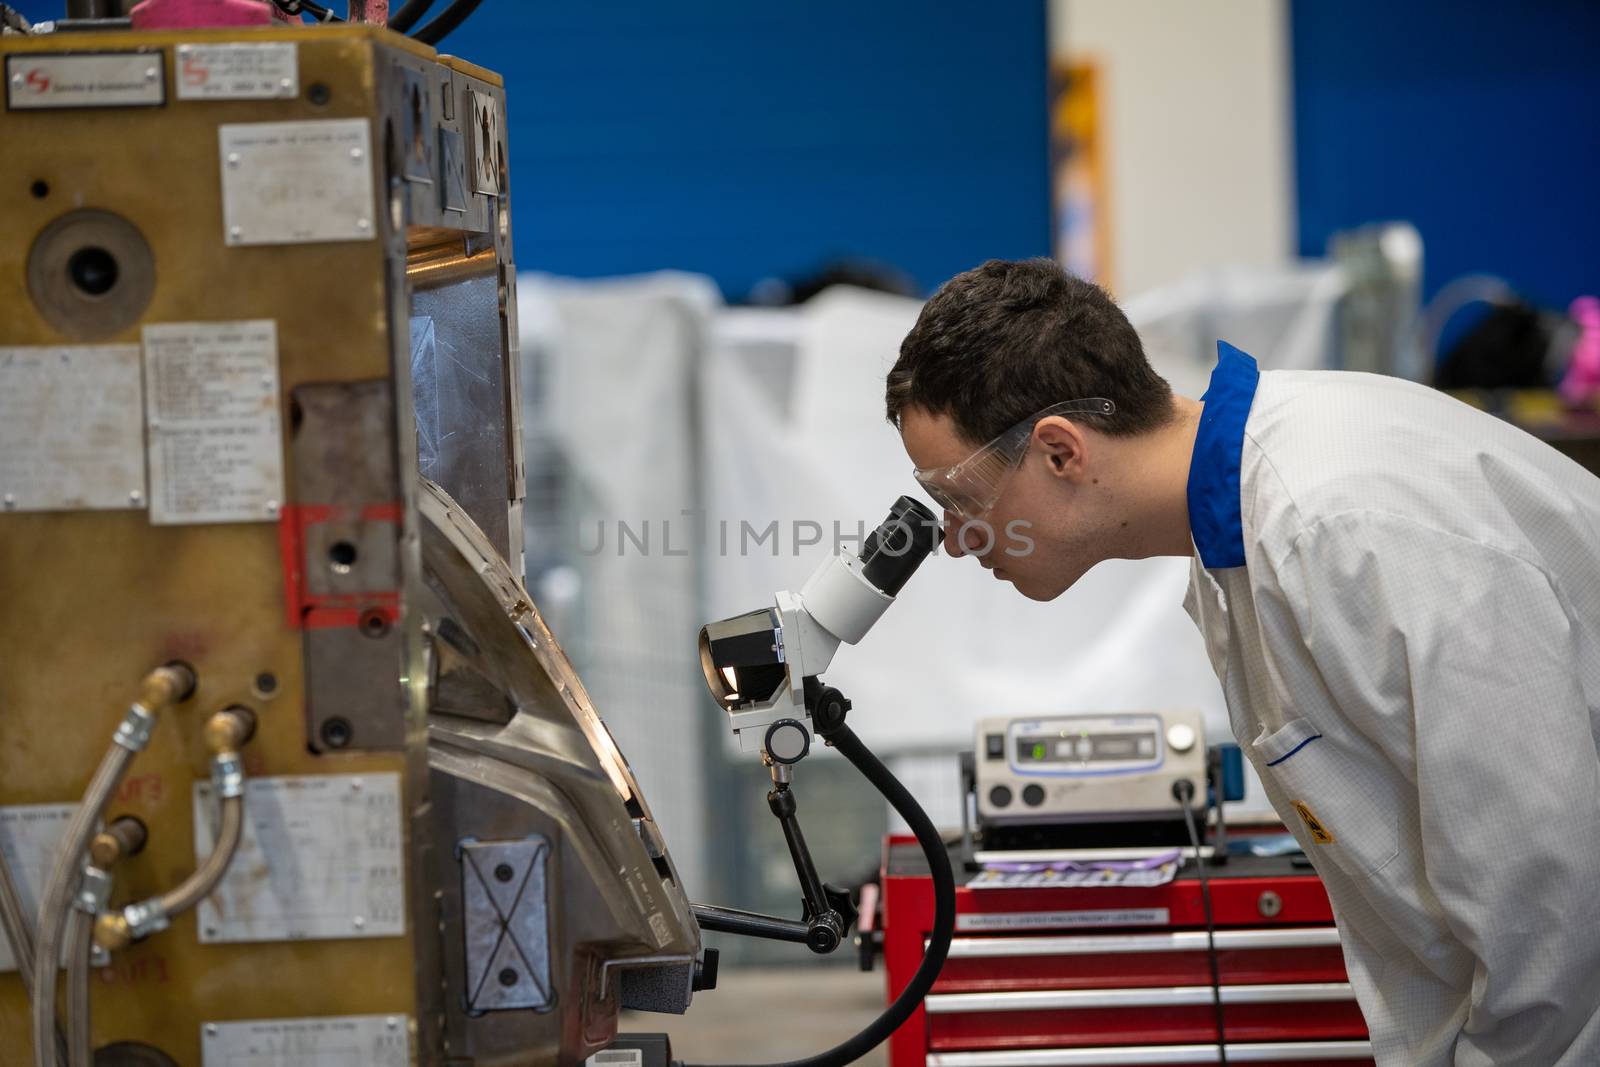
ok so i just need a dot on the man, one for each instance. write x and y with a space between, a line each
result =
1400 596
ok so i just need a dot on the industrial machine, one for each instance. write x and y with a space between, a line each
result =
1081 780
293 771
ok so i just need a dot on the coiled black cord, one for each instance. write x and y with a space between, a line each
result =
944 907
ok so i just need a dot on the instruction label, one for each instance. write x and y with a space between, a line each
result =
214 433
320 858
29 836
296 182
1052 920
85 79
71 428
332 1041
237 71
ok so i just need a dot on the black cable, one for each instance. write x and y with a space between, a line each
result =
295 8
402 20
446 21
1184 798
944 908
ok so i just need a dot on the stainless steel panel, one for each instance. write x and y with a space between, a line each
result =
506 924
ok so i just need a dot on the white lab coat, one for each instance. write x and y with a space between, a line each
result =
1411 654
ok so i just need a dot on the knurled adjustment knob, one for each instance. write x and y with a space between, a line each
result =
787 741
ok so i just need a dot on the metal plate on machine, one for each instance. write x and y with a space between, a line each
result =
296 182
507 924
29 834
237 71
333 1041
71 428
215 435
485 144
36 81
321 857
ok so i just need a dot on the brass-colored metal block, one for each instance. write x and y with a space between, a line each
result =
89 599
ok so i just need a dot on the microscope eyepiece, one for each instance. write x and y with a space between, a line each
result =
894 551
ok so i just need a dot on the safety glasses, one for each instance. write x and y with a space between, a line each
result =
970 488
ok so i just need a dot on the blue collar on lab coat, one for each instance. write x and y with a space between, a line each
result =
1214 516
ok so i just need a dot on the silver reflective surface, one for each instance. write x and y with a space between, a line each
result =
518 753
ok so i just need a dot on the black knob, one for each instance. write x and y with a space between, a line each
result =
1033 795
705 971
1000 796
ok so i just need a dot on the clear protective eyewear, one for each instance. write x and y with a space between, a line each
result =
970 488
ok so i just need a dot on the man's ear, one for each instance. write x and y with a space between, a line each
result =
1062 444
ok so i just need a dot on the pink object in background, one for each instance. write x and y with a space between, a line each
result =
199 14
1582 382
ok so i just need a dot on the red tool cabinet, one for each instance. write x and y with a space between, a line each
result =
1082 977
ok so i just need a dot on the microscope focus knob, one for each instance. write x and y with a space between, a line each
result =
787 741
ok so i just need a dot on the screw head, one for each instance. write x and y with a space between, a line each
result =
508 977
336 733
503 872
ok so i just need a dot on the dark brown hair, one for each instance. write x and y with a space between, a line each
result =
999 342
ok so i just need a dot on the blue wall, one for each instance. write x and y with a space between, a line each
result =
1479 122
744 139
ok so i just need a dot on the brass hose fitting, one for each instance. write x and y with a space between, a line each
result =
111 931
228 730
123 838
166 686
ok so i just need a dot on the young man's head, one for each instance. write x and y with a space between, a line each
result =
993 348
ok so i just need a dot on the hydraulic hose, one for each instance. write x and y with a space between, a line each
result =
225 732
58 895
161 688
446 21
80 943
18 927
195 888
407 14
19 932
124 837
944 905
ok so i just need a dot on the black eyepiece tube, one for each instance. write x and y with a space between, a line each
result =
892 552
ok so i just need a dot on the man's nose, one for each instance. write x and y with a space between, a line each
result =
952 535
962 537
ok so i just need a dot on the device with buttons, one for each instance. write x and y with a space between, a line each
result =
1088 768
